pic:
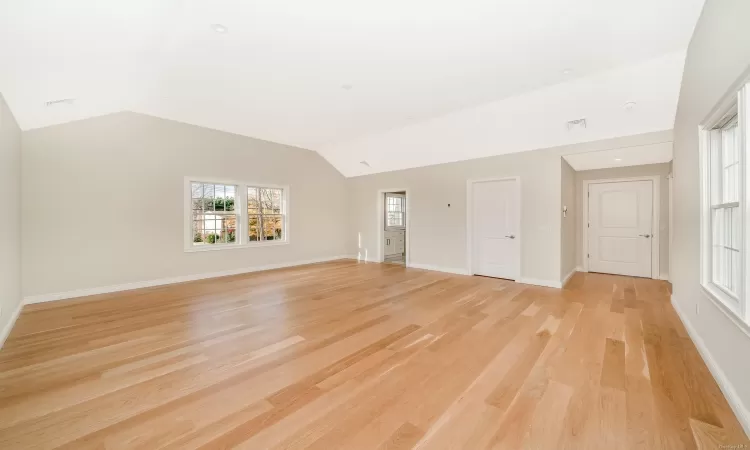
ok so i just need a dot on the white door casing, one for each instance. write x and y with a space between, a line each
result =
620 227
494 208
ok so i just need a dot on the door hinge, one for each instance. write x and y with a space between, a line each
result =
588 255
588 225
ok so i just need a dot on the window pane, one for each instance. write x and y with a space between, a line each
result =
716 171
253 228
730 162
229 197
272 227
270 200
725 231
212 220
252 201
197 190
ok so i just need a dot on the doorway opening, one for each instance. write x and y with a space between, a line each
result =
393 226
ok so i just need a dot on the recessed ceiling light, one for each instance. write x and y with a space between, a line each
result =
567 71
629 105
346 86
219 28
618 159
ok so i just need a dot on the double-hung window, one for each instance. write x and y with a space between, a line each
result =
221 214
724 215
265 213
395 211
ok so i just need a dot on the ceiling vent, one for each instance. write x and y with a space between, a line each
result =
62 101
575 124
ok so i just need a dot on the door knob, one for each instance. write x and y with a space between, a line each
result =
645 235
512 236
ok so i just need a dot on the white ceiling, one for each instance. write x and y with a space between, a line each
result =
621 157
278 74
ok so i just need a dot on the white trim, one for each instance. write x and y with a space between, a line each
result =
172 280
360 259
240 209
567 277
380 216
537 282
670 179
9 326
655 227
457 271
470 218
734 400
664 276
734 103
209 248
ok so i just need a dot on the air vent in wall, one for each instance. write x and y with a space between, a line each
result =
62 101
578 123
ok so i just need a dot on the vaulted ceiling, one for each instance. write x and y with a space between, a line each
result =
377 80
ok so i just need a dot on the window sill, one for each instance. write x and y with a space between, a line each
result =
211 248
717 298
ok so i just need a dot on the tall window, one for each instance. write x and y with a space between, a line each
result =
395 211
233 215
265 212
724 241
726 220
214 216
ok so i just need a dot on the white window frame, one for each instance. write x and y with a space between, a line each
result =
241 211
734 306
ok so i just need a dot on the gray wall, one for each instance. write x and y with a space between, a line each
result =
660 170
569 222
438 232
10 216
718 56
103 201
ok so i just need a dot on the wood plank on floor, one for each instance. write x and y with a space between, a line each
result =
353 355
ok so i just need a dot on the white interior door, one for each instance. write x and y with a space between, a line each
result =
496 220
620 231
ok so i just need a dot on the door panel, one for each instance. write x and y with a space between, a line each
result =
620 230
495 222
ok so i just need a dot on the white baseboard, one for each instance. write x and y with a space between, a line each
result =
579 269
537 282
417 266
568 276
357 258
664 276
162 281
742 413
456 271
5 332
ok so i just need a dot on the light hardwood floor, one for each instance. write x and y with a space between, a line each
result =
358 356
